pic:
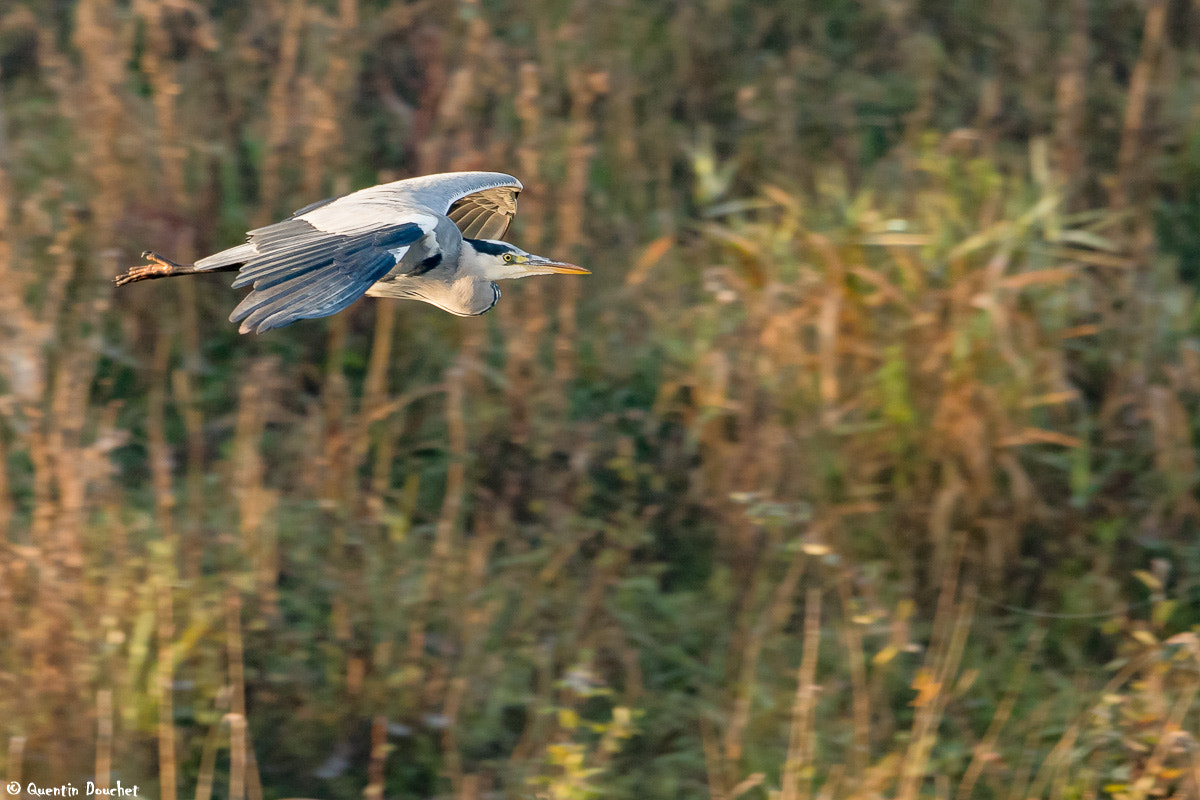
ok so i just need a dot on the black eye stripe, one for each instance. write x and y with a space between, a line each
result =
490 248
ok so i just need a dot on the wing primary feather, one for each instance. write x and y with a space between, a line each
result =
472 221
314 274
493 228
281 268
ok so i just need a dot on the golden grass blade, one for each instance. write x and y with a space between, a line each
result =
801 737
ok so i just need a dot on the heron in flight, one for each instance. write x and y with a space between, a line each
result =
434 239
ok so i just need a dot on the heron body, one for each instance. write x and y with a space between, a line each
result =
433 239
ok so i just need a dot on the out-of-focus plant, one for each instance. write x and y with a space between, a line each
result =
575 765
901 350
832 477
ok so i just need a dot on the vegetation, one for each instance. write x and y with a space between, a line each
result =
863 466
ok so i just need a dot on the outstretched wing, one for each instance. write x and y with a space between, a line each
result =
481 204
485 214
301 272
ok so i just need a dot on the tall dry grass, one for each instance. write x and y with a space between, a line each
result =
862 467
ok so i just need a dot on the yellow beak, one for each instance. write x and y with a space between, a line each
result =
561 267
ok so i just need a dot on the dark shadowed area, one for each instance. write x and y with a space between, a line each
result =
862 466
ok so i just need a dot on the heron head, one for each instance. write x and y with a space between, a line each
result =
496 261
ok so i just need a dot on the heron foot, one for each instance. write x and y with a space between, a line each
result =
159 267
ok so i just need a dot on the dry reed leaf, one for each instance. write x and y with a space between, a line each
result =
1040 436
780 335
1021 491
1145 637
1096 259
1050 399
749 253
927 688
980 240
651 255
1152 583
746 785
889 291
1170 422
1080 330
885 655
1053 276
1088 239
897 239
941 515
780 197
827 331
860 507
1138 100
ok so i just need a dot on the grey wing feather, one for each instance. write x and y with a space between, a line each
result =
228 258
299 272
439 192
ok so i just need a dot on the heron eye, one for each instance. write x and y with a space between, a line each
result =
508 257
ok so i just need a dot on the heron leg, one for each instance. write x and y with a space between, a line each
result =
159 267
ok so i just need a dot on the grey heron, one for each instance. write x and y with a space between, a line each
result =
433 238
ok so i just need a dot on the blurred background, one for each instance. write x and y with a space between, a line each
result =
863 466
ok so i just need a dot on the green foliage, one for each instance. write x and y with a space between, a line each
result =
863 465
